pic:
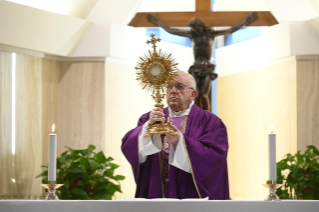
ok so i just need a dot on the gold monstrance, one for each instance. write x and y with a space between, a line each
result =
156 71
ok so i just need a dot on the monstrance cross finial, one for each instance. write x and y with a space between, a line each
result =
153 41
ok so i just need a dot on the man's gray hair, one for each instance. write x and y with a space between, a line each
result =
192 81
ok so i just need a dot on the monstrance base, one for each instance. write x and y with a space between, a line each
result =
161 129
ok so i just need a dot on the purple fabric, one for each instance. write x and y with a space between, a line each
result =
206 141
178 123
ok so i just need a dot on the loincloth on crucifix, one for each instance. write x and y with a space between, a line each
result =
199 71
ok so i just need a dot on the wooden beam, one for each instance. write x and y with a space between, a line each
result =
203 5
211 19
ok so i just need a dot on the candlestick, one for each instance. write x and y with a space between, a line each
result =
52 155
272 157
52 187
272 191
272 182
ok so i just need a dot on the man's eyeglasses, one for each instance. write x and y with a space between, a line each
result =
178 86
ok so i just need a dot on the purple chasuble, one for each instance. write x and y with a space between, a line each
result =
205 138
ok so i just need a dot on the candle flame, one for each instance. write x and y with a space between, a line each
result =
272 128
53 127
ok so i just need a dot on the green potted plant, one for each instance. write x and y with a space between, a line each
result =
299 175
85 175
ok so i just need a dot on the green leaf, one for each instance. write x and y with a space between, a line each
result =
91 147
61 160
100 157
119 177
71 150
116 187
114 166
103 165
104 196
84 163
94 164
79 192
109 173
307 195
91 182
76 170
43 174
300 158
315 150
81 151
45 180
64 153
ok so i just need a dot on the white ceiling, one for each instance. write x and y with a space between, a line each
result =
122 11
75 8
293 10
167 6
114 11
58 26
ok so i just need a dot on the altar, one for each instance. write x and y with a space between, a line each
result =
158 206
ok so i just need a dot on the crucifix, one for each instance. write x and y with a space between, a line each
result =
202 38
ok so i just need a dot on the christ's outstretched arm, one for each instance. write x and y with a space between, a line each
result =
155 20
250 18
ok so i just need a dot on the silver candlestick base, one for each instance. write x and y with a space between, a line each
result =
51 186
272 186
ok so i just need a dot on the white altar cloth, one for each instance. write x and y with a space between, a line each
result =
158 206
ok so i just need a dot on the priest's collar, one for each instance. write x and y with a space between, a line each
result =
180 113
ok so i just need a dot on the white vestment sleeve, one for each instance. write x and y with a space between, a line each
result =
149 145
178 155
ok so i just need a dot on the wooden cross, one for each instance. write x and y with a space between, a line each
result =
204 13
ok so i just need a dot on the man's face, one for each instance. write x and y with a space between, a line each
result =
180 95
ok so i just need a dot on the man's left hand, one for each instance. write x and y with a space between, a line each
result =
173 139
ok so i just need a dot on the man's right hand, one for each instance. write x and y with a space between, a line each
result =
156 114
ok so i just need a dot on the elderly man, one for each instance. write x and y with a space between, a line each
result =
190 164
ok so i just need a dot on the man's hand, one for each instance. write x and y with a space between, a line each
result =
156 115
153 19
251 18
173 139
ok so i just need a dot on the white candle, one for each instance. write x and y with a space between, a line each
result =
272 156
52 155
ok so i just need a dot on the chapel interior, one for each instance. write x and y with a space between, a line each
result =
72 63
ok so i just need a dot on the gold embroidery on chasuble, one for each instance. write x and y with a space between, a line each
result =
180 123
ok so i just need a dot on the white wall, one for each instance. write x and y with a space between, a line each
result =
276 43
127 44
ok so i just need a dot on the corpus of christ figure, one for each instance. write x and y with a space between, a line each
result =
202 39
